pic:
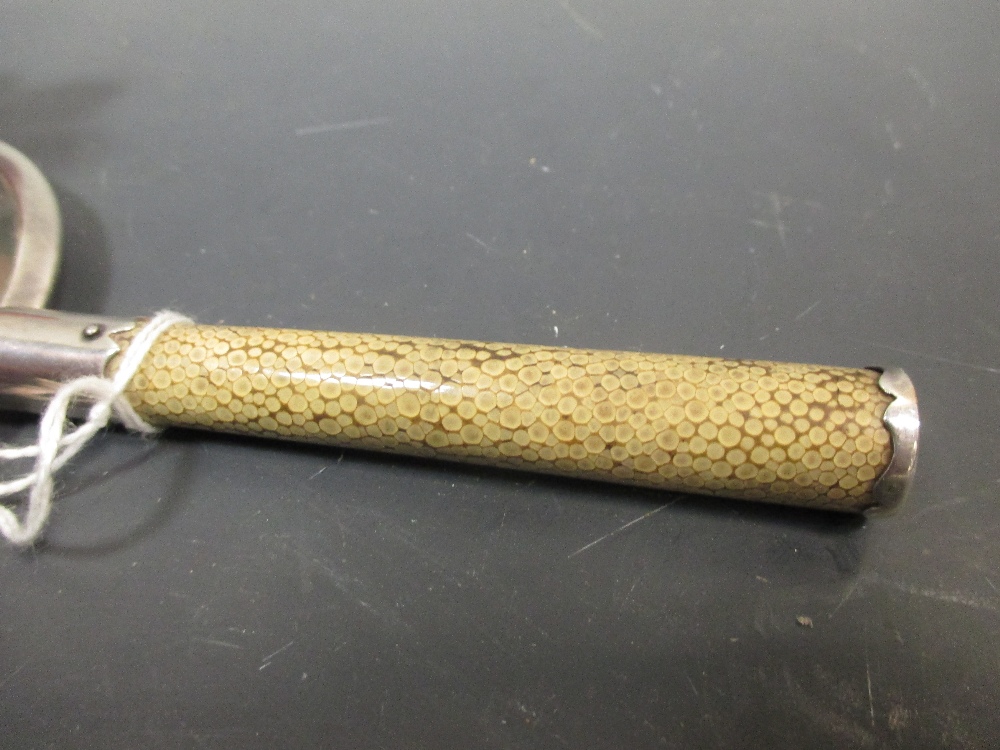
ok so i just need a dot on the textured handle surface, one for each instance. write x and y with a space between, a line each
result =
787 433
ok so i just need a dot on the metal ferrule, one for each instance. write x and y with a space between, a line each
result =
41 349
903 422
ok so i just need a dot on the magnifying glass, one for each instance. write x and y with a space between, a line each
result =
834 438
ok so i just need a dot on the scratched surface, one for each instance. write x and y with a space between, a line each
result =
813 182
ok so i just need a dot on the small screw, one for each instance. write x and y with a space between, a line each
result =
92 331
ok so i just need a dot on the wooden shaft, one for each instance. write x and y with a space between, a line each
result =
786 433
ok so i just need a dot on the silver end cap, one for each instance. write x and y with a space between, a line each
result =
903 422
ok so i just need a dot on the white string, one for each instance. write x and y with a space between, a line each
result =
56 445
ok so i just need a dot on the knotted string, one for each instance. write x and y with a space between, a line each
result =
56 444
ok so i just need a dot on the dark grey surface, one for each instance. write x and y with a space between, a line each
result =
805 181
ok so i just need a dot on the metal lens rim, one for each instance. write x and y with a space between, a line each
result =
32 260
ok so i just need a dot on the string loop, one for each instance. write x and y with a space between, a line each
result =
58 442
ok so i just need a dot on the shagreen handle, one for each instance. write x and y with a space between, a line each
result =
796 434
842 439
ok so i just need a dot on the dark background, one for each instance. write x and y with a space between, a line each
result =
806 181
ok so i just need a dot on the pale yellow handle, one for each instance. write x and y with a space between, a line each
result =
786 433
